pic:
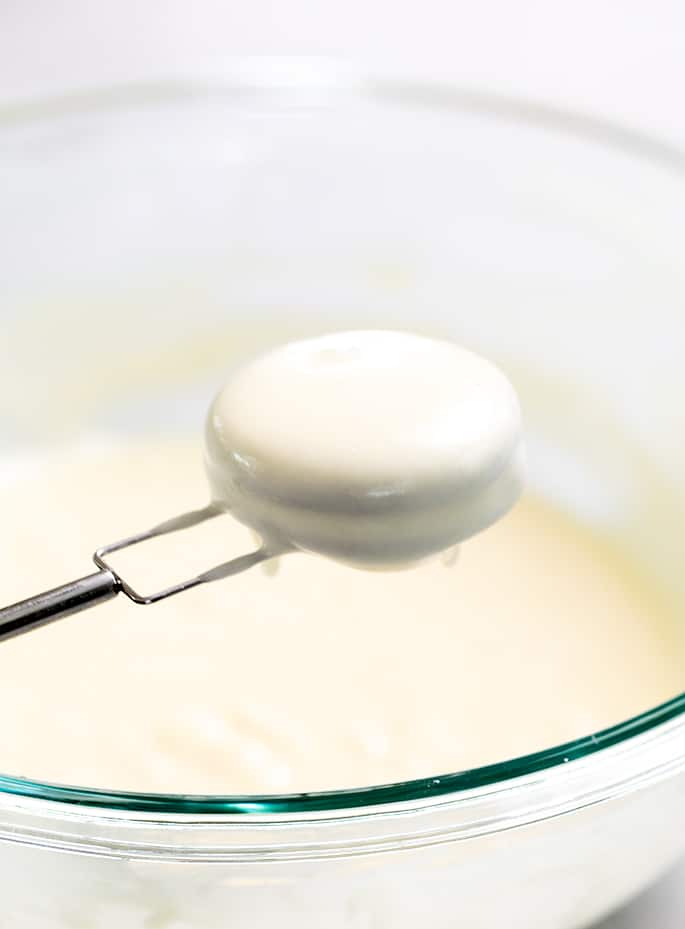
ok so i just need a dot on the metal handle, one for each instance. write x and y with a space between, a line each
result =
106 583
55 604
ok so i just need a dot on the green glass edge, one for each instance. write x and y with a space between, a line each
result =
350 799
595 130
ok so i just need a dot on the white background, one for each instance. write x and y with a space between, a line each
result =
620 59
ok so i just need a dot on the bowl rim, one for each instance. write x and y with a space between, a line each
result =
266 76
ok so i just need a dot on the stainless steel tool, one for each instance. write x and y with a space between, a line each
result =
106 583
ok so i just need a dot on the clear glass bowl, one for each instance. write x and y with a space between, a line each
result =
297 196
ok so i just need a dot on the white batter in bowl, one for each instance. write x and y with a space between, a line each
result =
536 270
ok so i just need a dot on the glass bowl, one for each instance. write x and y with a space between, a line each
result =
296 197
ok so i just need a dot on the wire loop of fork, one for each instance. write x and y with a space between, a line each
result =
106 583
177 524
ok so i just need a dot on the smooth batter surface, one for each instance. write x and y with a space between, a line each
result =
321 677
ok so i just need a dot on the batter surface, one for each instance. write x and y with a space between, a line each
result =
322 676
